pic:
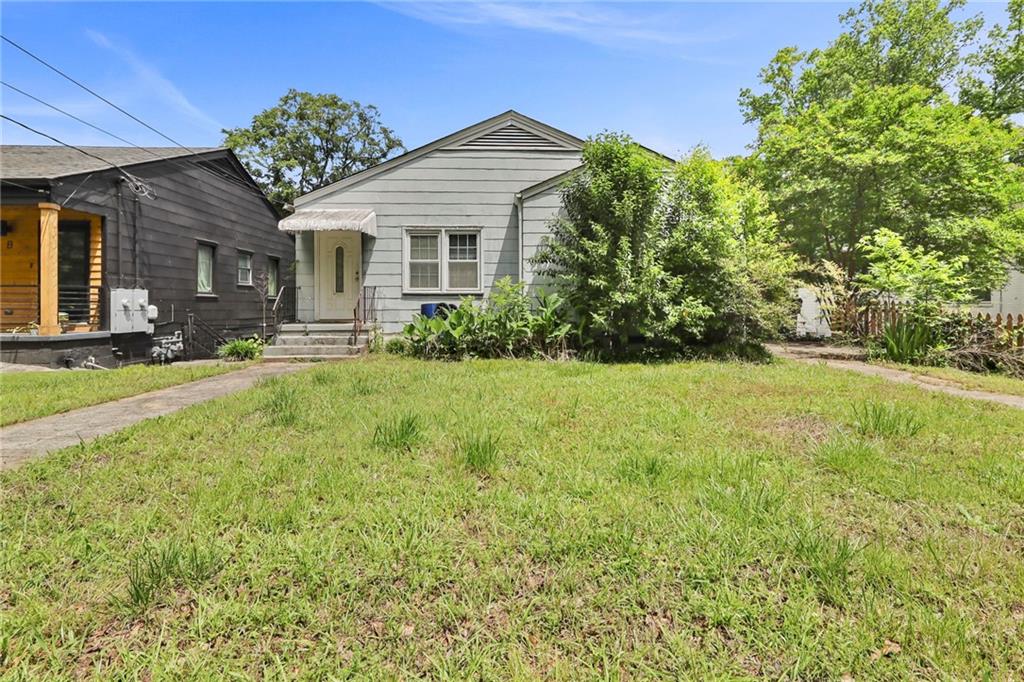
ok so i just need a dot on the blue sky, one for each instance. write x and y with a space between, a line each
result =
668 74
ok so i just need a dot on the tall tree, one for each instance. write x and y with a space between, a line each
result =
996 87
862 135
310 140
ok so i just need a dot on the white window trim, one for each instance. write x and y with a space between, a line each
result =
238 268
442 245
213 268
276 263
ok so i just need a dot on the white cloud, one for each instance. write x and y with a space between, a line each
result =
620 26
151 80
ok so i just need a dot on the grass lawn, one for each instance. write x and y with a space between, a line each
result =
390 518
994 383
30 395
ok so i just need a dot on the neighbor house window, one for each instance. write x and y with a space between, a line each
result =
244 268
204 268
273 272
442 260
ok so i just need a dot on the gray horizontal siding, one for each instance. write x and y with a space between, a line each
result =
460 188
538 212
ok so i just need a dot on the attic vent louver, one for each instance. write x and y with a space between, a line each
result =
511 137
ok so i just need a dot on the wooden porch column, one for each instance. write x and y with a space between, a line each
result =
48 325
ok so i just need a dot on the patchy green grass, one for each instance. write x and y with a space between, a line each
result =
30 395
993 383
505 519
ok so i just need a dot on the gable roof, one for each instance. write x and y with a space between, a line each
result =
549 183
507 130
44 162
543 185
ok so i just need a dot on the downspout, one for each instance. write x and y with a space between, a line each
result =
135 242
519 219
120 208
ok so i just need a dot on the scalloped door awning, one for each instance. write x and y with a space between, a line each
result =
324 219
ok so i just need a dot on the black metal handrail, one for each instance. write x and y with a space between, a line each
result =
278 302
195 328
365 310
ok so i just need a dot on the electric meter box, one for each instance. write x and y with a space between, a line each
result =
129 311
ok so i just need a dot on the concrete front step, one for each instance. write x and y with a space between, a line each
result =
317 327
342 339
289 350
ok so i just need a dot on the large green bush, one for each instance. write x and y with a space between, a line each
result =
507 324
660 259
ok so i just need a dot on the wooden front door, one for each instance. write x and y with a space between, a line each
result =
339 256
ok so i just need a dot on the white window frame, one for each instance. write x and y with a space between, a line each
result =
274 264
442 234
238 268
200 247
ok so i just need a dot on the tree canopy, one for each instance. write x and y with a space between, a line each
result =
866 134
310 140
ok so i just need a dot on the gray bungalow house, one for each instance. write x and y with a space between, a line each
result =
438 223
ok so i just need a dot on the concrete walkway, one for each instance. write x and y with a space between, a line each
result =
807 354
28 440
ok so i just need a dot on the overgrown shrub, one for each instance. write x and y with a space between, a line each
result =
396 346
930 329
241 349
508 324
662 259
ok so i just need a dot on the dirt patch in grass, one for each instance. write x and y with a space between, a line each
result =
801 429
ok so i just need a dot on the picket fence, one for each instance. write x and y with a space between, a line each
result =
874 319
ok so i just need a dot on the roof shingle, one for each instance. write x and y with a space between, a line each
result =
41 162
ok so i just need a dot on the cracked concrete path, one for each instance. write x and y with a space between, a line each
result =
22 442
806 355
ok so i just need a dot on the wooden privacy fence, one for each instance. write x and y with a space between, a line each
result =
872 320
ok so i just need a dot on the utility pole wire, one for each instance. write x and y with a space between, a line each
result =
149 151
126 113
137 185
92 92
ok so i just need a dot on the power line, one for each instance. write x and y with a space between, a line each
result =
68 114
149 151
91 91
137 185
126 113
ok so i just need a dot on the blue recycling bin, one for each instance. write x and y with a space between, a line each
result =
429 309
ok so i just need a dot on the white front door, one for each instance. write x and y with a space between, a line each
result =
338 257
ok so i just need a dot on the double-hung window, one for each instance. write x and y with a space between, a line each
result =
244 268
424 271
204 268
442 260
273 272
463 261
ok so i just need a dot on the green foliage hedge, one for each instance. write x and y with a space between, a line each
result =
507 324
660 259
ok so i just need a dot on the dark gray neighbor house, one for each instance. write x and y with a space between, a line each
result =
111 252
